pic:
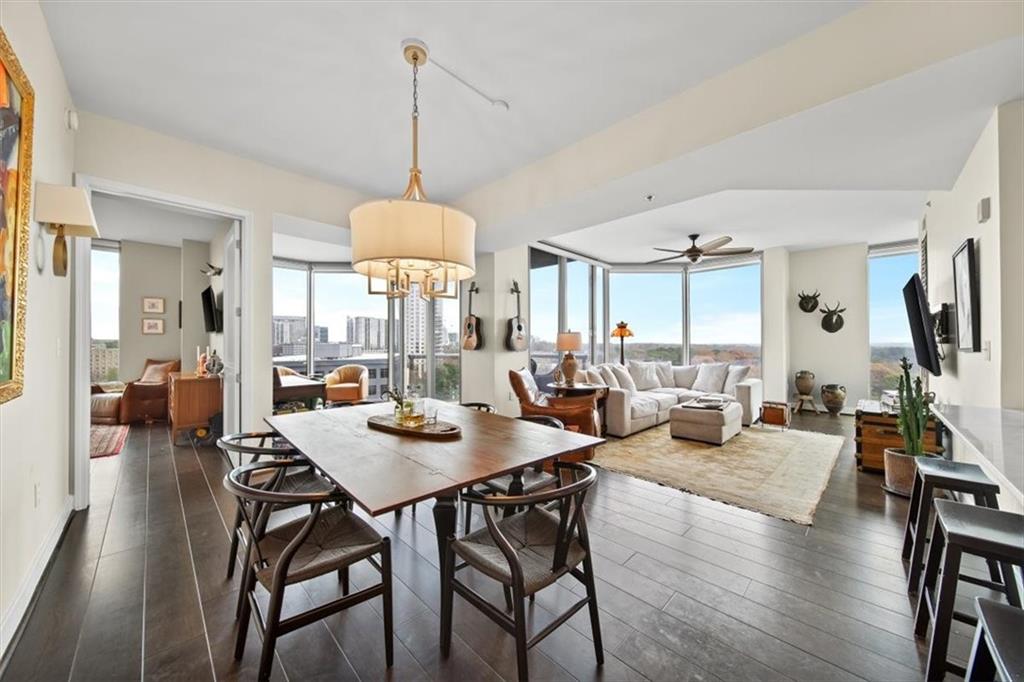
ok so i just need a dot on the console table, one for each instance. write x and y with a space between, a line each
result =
878 429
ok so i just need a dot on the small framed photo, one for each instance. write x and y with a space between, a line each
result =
153 305
152 326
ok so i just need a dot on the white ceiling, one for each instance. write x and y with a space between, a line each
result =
322 89
125 218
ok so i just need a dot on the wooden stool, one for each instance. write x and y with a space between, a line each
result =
801 399
934 473
996 649
963 529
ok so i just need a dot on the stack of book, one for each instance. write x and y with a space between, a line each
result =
891 400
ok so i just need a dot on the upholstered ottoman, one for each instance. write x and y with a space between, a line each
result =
707 425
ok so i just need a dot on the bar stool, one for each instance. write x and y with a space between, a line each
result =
941 474
961 529
996 650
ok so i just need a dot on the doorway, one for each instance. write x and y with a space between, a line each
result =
201 308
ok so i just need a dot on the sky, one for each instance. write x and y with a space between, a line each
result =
886 311
106 299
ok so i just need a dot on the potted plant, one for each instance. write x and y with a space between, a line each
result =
901 463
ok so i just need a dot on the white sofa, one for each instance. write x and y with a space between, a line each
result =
641 393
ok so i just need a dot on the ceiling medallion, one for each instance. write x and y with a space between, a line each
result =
409 240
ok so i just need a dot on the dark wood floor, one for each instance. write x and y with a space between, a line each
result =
689 589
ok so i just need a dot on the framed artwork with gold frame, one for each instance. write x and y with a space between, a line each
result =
16 107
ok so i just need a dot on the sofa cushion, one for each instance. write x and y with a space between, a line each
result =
683 377
642 406
711 377
625 380
644 374
680 394
608 375
156 372
594 377
737 373
664 400
664 370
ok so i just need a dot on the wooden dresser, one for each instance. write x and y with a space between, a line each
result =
192 400
878 430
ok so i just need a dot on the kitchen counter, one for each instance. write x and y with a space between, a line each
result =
996 436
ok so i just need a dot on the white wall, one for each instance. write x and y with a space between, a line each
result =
148 270
952 217
34 459
194 256
841 275
775 313
1011 250
115 150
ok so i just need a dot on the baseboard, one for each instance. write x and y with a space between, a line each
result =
19 608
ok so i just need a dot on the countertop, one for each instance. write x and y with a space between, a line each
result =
996 434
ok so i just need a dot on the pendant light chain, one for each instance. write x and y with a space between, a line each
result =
415 87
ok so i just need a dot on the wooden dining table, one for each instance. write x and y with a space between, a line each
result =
383 472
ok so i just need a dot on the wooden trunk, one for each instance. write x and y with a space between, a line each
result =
877 431
192 400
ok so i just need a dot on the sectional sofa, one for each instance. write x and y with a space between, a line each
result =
640 394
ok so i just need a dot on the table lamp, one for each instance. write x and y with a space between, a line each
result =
568 342
620 332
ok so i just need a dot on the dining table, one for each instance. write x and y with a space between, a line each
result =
384 472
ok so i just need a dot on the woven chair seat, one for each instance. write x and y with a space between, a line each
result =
532 533
533 481
302 482
339 539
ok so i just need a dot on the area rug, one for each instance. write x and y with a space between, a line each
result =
106 439
779 473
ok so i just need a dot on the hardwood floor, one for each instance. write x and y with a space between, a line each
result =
689 589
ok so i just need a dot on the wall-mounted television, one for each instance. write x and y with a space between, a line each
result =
211 313
922 325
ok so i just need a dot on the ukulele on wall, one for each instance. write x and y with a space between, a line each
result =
472 337
515 332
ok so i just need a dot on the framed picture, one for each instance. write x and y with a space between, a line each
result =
968 298
152 326
16 107
152 305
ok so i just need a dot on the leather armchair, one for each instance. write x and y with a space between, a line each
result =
146 399
348 383
578 413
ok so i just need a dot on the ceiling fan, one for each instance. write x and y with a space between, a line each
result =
695 253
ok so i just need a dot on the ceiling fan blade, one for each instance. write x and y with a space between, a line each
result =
729 252
663 260
658 248
714 244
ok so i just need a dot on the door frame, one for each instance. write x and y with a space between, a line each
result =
81 314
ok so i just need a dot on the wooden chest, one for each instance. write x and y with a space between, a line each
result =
775 413
192 400
878 430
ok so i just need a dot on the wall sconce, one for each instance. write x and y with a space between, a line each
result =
66 212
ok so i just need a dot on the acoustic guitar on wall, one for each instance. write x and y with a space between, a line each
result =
472 337
515 332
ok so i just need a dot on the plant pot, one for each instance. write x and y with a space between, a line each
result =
834 398
804 382
900 470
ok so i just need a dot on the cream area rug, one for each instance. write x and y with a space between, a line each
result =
779 473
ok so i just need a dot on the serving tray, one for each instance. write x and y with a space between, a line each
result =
437 431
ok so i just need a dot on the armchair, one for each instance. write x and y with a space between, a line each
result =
348 383
578 413
146 398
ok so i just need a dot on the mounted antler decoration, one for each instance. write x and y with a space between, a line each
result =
833 320
809 302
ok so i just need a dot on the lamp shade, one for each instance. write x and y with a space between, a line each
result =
569 341
65 207
423 237
622 330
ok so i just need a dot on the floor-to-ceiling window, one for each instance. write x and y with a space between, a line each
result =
289 321
600 323
651 303
104 351
887 317
544 304
577 305
350 326
725 315
447 374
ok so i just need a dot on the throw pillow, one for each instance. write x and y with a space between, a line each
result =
683 377
664 370
608 375
737 373
625 381
644 374
711 377
157 372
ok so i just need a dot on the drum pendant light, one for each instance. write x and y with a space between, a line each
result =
410 240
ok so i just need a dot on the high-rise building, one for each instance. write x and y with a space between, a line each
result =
416 326
320 334
369 332
288 329
104 360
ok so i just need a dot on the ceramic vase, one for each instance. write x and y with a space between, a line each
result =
834 398
804 382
